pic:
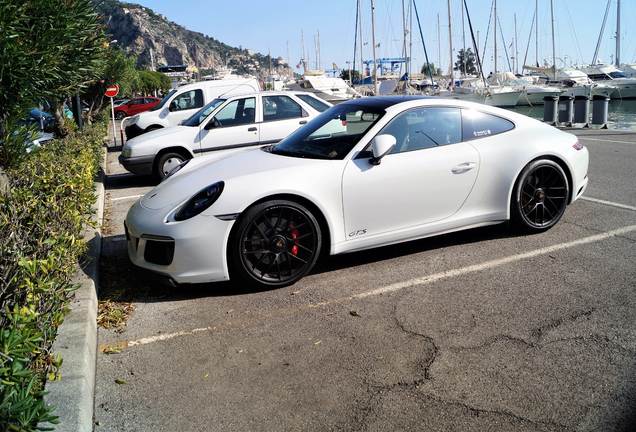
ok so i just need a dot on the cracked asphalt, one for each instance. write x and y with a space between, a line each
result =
542 342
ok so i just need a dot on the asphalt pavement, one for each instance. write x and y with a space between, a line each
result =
473 331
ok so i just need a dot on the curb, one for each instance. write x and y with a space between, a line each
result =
76 341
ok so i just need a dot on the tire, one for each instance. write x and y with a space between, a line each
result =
540 196
119 115
166 163
274 244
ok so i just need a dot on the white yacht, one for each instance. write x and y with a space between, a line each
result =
331 89
623 87
576 83
473 89
532 91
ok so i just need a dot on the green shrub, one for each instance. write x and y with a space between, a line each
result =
41 223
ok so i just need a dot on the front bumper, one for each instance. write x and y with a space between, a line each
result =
580 164
140 165
193 251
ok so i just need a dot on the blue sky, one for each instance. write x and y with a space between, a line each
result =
271 24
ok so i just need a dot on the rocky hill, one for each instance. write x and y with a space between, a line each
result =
140 31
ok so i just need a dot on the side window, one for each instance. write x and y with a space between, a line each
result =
424 128
280 108
313 102
236 113
476 124
187 100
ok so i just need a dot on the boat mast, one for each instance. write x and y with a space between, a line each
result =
419 26
302 44
404 52
410 66
318 40
450 46
463 43
536 32
553 43
516 62
439 45
361 41
495 38
355 43
600 34
375 66
618 33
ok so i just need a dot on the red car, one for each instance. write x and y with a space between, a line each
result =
135 106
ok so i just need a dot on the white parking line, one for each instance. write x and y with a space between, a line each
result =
609 203
605 140
424 280
126 197
494 263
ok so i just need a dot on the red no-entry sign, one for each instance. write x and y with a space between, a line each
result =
112 91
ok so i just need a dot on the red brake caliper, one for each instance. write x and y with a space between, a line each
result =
294 236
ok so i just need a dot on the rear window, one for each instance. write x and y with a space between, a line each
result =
476 124
313 102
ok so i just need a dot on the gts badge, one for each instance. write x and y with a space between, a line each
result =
357 233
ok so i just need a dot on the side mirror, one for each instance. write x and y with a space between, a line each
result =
213 123
381 146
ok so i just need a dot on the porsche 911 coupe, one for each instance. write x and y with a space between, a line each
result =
365 173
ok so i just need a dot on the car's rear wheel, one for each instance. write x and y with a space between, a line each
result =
275 244
540 196
119 115
166 163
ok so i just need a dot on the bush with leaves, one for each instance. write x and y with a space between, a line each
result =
41 222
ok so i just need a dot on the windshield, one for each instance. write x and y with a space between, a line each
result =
164 100
203 113
332 134
617 74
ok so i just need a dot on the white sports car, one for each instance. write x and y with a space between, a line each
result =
366 173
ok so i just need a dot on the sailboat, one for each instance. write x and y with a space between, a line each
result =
481 90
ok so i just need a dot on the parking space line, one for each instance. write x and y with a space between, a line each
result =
609 203
605 140
494 263
424 280
126 198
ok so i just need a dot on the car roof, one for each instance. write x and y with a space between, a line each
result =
383 102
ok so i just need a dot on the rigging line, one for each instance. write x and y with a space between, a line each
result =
504 43
419 25
472 35
600 35
492 6
525 57
576 38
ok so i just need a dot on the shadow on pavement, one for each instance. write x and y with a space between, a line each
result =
127 180
124 282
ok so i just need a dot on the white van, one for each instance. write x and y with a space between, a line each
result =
180 103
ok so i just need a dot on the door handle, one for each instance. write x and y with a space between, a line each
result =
302 122
463 167
252 129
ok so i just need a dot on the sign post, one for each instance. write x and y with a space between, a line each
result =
111 92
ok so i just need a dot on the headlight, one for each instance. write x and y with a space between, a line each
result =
177 169
126 152
199 202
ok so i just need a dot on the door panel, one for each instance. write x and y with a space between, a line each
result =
234 126
281 116
407 189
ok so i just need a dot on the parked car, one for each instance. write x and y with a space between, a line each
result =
181 103
223 124
135 106
365 173
119 102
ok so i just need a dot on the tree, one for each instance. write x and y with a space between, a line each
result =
429 68
468 57
150 81
344 74
48 50
116 68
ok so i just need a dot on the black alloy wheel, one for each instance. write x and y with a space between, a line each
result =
276 244
541 195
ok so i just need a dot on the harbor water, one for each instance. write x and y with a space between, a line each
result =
622 113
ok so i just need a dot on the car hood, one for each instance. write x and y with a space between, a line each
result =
255 162
160 133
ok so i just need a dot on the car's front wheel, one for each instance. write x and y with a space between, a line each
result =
274 244
540 196
166 163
